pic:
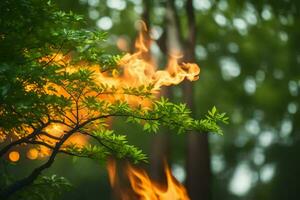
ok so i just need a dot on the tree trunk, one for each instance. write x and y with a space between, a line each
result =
198 157
169 45
160 149
198 167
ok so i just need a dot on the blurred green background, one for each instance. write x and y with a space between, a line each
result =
249 55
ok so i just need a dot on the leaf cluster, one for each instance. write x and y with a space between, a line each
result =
44 188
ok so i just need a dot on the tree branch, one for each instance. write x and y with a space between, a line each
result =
18 185
5 149
97 139
49 135
60 151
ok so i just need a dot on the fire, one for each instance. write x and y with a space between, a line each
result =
143 187
133 70
139 68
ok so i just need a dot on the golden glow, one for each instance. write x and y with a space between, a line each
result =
2 134
14 156
140 70
32 154
145 188
112 171
122 44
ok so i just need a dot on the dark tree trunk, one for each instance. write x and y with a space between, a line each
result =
160 143
198 156
160 148
198 167
169 43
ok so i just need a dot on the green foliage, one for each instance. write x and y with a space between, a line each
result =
109 62
118 145
31 30
111 144
44 188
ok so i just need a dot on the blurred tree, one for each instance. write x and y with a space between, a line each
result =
198 167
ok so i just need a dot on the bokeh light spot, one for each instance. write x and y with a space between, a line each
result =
105 23
240 184
14 156
32 154
179 172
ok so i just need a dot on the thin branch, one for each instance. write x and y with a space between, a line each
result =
60 151
97 139
65 89
77 105
21 116
5 149
121 115
71 97
49 135
31 135
60 48
101 143
62 113
18 185
123 93
60 122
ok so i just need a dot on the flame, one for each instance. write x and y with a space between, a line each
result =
139 69
144 188
133 70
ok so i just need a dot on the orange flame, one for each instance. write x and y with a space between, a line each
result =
133 70
144 188
139 69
